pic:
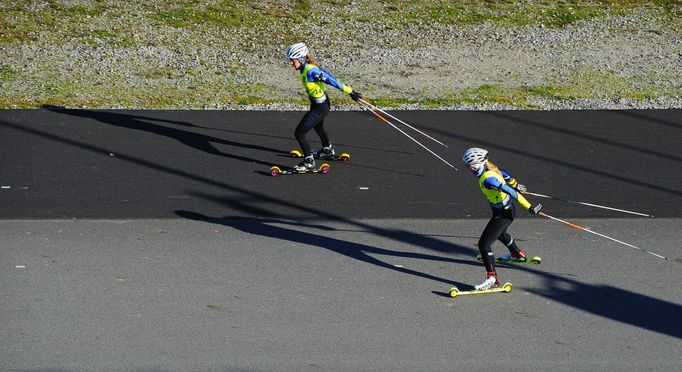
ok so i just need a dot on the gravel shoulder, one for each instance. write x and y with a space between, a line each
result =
126 57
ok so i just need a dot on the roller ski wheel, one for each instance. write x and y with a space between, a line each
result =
505 288
276 171
536 260
324 168
344 157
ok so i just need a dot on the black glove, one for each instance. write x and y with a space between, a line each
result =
355 95
535 209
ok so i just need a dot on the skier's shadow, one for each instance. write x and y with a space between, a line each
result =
358 251
197 141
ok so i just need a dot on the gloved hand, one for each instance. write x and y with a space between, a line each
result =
535 209
522 189
355 95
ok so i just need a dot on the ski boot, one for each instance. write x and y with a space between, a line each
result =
490 282
306 165
513 257
325 153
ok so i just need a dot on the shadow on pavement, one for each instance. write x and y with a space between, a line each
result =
609 302
358 251
197 141
615 304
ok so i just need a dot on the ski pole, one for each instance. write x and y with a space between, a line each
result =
371 106
410 137
588 204
575 226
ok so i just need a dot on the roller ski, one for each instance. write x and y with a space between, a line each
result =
505 288
306 166
324 154
509 258
276 171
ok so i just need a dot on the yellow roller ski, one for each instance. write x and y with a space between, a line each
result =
506 288
535 260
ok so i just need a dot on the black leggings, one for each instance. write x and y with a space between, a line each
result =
313 119
496 229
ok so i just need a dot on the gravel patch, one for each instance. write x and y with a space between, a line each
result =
618 62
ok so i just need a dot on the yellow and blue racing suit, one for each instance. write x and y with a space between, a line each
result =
315 81
499 189
498 186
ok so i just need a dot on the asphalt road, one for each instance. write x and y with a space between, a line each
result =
129 164
158 241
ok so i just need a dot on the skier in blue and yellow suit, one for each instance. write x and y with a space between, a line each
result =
314 81
499 187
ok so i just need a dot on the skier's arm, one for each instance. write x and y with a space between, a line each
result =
494 183
318 74
511 181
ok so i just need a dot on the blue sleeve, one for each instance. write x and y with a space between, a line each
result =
494 183
507 177
509 190
318 74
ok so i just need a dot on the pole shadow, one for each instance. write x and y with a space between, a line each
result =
358 251
582 135
641 116
251 207
675 192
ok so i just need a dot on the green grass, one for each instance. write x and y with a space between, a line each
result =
519 13
231 14
584 85
225 14
21 26
60 22
164 92
6 73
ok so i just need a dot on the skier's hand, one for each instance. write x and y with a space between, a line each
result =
516 185
535 209
355 95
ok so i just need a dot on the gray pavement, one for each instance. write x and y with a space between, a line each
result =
157 241
277 295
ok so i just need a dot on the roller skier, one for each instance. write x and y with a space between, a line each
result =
499 187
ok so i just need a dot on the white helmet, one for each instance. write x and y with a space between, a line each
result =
297 51
475 155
